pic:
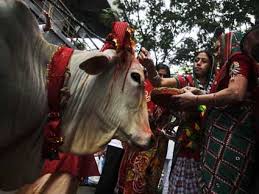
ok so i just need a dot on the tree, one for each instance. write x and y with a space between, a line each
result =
176 31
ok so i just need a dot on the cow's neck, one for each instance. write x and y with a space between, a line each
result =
86 108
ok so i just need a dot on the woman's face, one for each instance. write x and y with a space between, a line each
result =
201 65
162 73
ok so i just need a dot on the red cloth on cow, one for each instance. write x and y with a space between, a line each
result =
78 166
56 71
119 38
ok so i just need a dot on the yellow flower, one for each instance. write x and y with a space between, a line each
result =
189 145
188 132
197 127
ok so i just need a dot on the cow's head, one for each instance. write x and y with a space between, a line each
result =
114 104
127 100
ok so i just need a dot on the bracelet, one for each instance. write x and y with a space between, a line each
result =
214 99
196 99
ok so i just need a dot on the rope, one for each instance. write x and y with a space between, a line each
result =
67 24
70 27
79 24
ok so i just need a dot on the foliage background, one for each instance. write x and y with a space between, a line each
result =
175 30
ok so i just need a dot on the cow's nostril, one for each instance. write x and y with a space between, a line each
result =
136 77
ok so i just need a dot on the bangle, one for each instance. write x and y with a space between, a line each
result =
214 99
196 99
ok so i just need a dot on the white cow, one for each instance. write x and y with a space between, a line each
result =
89 120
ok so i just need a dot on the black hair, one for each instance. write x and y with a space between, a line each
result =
165 67
210 56
212 69
218 31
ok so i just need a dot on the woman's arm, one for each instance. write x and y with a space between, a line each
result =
153 76
234 93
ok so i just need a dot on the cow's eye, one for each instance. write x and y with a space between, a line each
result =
136 77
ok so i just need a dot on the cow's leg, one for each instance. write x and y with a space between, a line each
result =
56 183
60 183
36 186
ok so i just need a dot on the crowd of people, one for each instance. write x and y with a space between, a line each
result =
217 139
215 145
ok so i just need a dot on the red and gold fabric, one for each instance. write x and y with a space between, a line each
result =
56 75
121 38
78 166
140 171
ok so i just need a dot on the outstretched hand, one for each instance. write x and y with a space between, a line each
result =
145 58
194 90
47 26
185 100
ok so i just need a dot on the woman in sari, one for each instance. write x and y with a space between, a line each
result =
228 153
250 46
185 167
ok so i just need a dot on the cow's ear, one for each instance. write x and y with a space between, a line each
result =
98 62
95 65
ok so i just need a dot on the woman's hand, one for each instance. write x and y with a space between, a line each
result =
194 90
47 26
184 101
145 59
